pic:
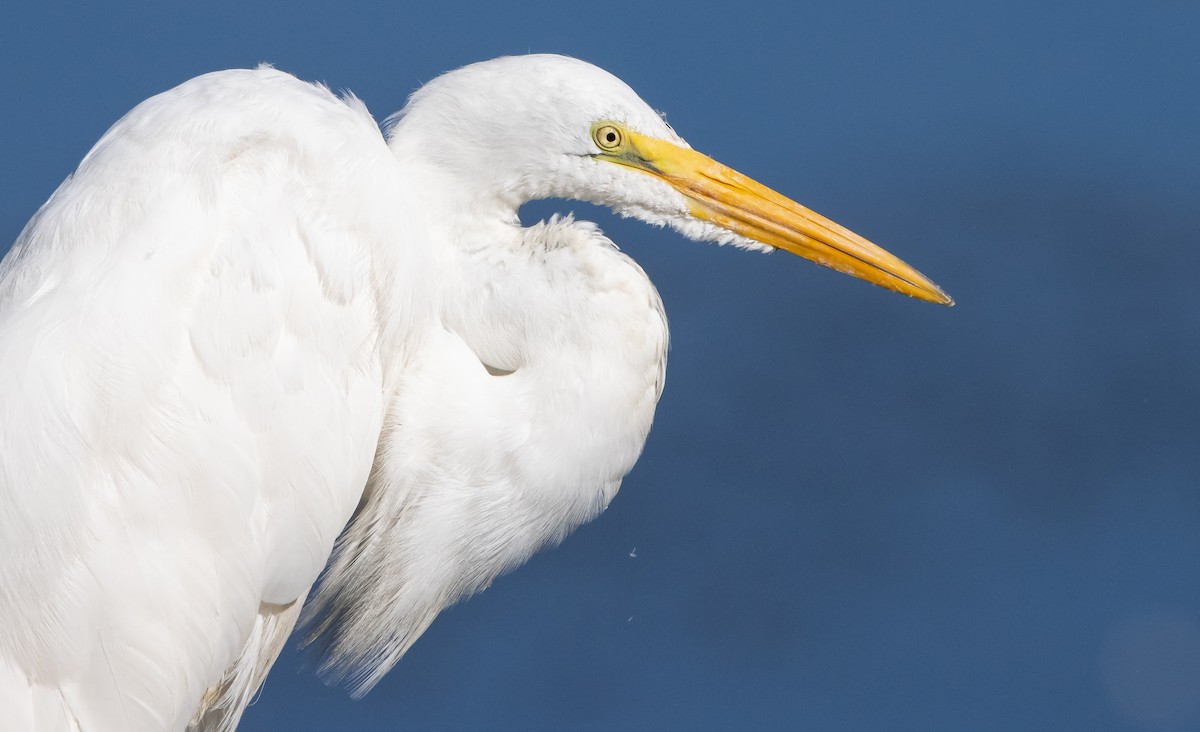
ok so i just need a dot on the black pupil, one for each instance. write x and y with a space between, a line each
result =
611 137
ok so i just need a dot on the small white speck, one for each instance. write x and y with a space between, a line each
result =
633 553
630 619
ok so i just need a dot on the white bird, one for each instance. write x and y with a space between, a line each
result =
251 323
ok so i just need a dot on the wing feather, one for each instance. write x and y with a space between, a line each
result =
192 354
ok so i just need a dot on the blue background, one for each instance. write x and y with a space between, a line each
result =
856 511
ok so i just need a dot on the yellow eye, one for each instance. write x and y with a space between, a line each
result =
607 137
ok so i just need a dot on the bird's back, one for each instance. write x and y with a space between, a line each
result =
190 396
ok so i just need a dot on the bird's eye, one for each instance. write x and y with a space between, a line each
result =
607 137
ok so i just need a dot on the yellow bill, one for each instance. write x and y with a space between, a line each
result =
730 200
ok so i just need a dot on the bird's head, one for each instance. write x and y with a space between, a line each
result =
521 128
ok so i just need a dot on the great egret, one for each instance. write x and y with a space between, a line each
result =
249 318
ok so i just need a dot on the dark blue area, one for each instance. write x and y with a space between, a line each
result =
856 511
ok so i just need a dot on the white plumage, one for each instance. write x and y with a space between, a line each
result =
248 319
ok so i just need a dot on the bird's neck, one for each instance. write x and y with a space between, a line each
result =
479 467
553 309
575 321
472 195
